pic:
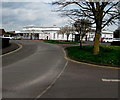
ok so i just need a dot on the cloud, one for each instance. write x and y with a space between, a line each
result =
27 0
18 14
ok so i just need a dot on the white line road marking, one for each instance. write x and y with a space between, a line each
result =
20 46
111 80
54 81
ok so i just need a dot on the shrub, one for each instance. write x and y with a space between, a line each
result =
109 55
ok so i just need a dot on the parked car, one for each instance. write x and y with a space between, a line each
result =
17 38
107 39
4 36
9 37
116 39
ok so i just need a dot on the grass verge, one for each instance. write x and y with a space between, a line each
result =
109 55
58 42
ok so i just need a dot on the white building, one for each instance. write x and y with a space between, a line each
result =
50 33
106 36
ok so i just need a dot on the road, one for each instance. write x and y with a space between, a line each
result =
84 81
37 71
29 71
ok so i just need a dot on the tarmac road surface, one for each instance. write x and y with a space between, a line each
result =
29 71
33 71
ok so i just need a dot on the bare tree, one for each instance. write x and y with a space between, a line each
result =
82 26
100 13
65 30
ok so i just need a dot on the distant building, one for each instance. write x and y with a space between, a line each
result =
51 33
106 35
2 32
42 33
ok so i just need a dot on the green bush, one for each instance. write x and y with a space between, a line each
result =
58 42
109 55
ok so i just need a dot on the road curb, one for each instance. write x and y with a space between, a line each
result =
100 66
20 47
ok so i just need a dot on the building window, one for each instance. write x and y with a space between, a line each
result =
54 36
63 36
57 35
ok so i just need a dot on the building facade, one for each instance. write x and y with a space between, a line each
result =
106 36
51 33
42 33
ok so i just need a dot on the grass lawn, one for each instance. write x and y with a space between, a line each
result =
109 55
58 42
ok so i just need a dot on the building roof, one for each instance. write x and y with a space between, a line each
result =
54 28
2 31
107 32
31 26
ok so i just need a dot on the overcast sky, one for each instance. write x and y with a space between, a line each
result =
16 14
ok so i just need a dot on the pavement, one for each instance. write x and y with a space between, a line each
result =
11 47
43 72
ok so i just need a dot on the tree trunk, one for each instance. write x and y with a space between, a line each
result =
80 44
72 37
67 37
31 36
80 39
96 42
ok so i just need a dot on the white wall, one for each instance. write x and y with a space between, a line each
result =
44 36
55 36
51 32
